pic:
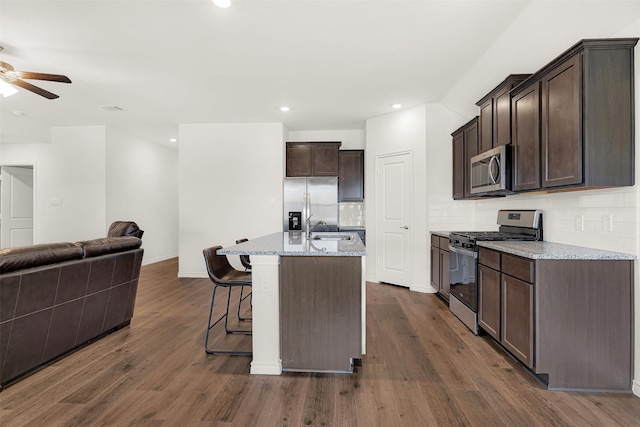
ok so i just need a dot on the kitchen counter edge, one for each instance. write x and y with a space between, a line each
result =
440 233
274 244
551 250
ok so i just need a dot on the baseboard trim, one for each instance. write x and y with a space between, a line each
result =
192 275
636 388
159 259
266 368
423 289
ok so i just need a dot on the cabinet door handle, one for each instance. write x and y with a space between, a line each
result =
405 227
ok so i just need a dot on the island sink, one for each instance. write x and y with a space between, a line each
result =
331 237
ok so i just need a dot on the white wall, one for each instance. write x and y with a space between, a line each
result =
392 133
70 168
230 187
543 30
100 176
142 186
351 139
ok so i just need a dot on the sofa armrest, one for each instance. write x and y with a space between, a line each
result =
125 228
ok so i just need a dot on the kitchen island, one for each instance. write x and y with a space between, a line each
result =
308 302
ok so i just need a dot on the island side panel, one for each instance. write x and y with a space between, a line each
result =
320 312
585 323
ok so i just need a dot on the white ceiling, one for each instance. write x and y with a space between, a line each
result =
335 63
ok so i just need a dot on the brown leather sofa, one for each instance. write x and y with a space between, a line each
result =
58 297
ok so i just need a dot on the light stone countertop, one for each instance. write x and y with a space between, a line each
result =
440 233
550 250
296 244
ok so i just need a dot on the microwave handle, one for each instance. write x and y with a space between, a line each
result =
494 179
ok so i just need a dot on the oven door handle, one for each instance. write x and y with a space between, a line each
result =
462 251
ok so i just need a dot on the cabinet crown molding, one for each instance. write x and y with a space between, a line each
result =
510 79
581 46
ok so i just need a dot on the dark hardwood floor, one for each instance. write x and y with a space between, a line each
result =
422 368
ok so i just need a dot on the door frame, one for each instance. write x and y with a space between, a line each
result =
411 236
33 166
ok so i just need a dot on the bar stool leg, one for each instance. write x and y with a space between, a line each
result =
226 321
240 304
228 331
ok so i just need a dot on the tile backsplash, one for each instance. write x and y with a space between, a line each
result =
604 219
352 214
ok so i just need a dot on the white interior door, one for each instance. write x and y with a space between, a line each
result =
16 206
394 177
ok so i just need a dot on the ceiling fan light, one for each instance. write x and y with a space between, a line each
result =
222 3
6 89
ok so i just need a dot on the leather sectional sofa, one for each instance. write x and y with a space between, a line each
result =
58 297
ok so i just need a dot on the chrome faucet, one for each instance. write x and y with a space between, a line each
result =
310 229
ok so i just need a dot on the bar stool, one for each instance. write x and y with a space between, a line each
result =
222 274
246 263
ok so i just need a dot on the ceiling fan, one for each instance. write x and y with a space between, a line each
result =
9 75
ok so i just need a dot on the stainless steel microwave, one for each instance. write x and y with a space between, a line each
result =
491 172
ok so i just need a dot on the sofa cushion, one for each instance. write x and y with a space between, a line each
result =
12 259
124 228
107 245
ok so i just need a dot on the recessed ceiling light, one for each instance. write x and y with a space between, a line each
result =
173 140
113 108
222 3
285 109
396 106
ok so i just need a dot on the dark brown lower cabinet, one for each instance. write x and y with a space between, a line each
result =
517 318
320 313
505 304
489 297
435 266
440 265
445 285
569 321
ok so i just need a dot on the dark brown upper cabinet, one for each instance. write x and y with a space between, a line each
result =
458 165
465 146
525 123
494 125
312 159
351 178
573 119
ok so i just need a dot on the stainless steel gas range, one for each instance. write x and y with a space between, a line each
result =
463 262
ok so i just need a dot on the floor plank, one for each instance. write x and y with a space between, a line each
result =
423 368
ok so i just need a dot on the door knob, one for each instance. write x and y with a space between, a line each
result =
405 227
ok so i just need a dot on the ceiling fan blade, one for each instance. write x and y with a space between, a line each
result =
34 89
5 67
43 76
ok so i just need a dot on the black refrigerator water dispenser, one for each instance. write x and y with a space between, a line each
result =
295 221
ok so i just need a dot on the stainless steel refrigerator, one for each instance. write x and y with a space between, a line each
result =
316 197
